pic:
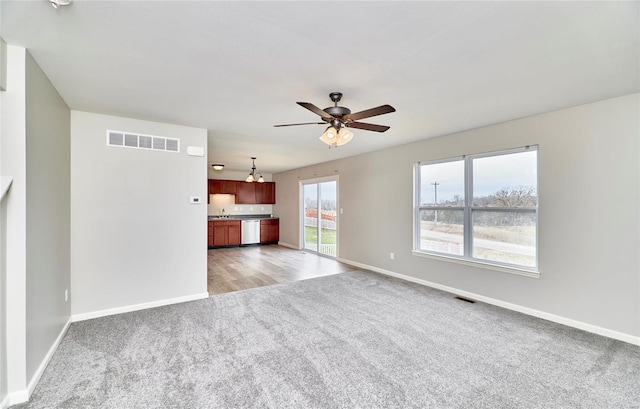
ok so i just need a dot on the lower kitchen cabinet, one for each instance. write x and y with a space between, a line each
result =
269 230
224 233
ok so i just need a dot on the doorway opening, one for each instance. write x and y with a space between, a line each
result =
320 216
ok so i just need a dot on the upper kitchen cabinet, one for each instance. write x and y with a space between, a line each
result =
265 193
246 193
227 187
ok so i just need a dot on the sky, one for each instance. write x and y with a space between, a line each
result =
490 174
327 191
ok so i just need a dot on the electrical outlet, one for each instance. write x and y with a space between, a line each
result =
392 256
66 295
341 210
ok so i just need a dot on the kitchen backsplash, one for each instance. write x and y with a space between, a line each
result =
227 202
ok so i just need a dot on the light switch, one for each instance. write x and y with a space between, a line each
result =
194 200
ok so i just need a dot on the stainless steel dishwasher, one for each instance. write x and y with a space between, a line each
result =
250 232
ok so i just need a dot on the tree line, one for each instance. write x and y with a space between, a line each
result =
516 196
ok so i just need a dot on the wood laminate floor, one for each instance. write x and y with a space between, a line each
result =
240 268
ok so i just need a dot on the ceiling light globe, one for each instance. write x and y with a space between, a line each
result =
329 136
344 137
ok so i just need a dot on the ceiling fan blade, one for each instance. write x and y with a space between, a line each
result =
368 127
367 113
314 109
303 123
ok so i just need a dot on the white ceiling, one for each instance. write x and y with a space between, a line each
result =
237 68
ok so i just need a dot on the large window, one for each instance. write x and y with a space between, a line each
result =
481 208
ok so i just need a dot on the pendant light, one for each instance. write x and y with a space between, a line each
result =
253 177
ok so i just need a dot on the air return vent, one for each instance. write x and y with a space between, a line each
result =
132 140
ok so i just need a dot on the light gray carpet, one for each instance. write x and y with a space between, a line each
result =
353 340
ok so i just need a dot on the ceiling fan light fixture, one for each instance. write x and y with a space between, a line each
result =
329 136
340 118
344 136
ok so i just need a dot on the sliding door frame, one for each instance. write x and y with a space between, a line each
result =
301 216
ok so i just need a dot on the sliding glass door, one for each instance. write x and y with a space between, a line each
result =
320 214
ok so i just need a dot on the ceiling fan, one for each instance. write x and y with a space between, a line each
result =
340 118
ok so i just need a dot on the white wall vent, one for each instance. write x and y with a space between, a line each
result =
132 140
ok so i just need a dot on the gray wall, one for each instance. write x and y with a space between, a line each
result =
589 178
13 164
35 267
135 238
3 273
48 217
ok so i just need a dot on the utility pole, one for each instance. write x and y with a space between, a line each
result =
435 191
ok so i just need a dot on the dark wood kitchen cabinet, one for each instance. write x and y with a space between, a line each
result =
225 233
210 234
246 193
266 193
227 187
219 186
269 231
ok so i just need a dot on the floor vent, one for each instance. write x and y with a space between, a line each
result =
470 301
149 142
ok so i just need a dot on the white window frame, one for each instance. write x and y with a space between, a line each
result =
468 210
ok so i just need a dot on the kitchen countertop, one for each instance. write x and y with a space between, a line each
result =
243 217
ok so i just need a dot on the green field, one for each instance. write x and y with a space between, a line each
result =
311 235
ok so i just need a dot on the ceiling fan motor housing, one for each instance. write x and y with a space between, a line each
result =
337 112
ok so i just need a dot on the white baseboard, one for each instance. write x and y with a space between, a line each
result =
136 307
5 402
291 246
605 332
16 397
21 396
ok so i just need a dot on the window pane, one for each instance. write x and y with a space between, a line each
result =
328 215
442 184
442 231
507 237
311 217
506 180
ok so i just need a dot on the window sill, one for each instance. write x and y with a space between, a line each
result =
474 263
